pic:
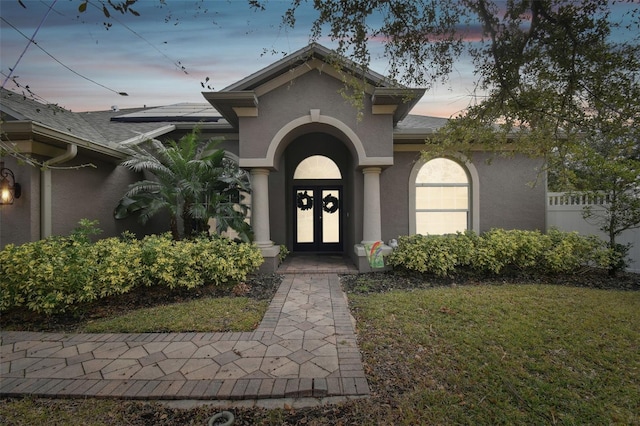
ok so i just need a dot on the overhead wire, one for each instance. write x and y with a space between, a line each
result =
28 89
31 40
177 64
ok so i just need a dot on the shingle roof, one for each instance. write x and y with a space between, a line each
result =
96 127
112 128
420 124
19 107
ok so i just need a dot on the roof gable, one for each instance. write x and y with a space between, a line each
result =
313 56
241 98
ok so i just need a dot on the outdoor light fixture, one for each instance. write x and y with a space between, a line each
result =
9 188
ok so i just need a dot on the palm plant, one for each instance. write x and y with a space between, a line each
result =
192 183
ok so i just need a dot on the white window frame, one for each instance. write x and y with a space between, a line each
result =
473 222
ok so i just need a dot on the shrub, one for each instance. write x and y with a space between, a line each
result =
191 263
569 252
46 276
498 251
282 254
425 253
117 266
58 273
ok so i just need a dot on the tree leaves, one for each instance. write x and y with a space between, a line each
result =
193 183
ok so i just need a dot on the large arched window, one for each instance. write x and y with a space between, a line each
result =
441 198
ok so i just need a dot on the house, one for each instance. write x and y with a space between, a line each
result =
326 176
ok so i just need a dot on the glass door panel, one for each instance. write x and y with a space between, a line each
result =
330 216
304 216
318 218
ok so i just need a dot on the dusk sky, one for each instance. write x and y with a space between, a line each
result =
143 55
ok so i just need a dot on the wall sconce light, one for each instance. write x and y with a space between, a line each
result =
10 190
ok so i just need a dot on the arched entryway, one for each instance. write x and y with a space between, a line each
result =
318 168
317 215
273 197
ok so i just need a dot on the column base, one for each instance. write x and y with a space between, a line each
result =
270 255
362 262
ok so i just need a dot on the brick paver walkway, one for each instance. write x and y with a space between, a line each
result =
304 347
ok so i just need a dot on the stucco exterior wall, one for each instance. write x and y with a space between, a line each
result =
20 222
278 213
394 195
507 198
93 193
312 90
512 192
356 189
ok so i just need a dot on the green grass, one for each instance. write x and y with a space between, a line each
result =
485 355
202 315
28 411
523 354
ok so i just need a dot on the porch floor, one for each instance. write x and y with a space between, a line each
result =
317 263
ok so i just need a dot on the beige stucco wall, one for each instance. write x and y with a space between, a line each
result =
279 215
394 196
280 135
512 192
93 193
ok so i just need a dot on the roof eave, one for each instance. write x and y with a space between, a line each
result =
404 99
45 134
233 104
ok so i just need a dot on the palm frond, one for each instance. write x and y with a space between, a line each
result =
186 175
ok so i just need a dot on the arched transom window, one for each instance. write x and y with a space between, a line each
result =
317 167
442 198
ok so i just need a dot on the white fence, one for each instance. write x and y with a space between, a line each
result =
564 211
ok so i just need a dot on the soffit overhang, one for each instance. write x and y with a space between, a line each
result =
35 138
396 101
234 104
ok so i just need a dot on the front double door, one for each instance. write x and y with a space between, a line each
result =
317 219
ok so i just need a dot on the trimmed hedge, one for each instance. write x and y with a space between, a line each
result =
499 250
56 274
192 263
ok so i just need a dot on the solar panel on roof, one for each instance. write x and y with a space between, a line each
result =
178 112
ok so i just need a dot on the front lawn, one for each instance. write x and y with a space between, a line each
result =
509 354
204 315
472 353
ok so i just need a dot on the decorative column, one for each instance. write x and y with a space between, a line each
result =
260 207
371 221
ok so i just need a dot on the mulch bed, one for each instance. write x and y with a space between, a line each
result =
406 280
261 287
